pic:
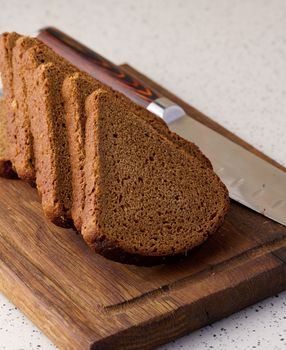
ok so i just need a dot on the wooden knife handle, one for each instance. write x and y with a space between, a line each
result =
97 66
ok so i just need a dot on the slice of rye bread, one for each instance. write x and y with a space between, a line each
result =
28 54
7 43
145 198
23 160
48 127
6 169
76 89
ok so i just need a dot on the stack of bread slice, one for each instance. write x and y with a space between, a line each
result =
137 192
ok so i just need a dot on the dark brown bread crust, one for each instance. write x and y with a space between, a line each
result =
7 43
111 251
6 170
119 234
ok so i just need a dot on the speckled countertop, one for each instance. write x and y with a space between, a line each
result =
225 57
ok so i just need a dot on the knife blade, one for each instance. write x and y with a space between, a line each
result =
250 180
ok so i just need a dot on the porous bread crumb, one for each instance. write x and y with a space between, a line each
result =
7 43
137 183
76 89
28 54
48 127
6 169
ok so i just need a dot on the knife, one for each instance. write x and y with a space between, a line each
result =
250 180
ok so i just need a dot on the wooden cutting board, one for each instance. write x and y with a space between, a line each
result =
83 301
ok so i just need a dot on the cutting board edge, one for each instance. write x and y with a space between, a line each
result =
185 311
124 338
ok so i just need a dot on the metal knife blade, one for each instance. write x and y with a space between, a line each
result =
250 180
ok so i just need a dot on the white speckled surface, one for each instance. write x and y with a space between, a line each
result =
228 59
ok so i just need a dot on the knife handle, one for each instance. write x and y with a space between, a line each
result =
97 66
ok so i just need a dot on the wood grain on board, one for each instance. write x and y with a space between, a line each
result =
83 301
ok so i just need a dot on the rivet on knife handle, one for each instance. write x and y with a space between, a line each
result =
110 74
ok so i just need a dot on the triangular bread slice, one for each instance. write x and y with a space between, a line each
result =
28 54
76 89
48 126
7 43
145 198
6 169
23 160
